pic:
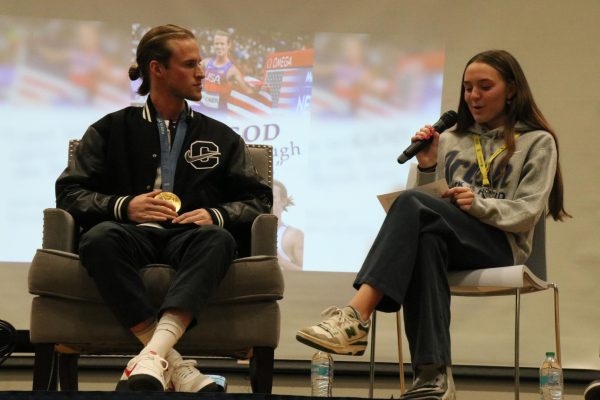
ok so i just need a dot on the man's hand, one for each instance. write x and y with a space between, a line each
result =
145 208
461 196
198 217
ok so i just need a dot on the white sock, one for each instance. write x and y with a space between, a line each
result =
168 331
145 335
173 356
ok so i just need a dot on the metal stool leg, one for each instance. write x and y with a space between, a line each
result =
400 355
372 362
517 338
557 324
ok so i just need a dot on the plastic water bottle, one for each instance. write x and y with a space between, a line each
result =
321 374
551 378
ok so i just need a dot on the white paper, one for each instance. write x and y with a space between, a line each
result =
436 189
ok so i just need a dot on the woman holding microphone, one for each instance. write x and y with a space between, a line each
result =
501 165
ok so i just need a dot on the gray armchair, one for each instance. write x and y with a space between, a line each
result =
242 320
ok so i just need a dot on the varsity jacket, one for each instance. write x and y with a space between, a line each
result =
119 156
516 199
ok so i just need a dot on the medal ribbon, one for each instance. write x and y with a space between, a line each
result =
168 153
484 165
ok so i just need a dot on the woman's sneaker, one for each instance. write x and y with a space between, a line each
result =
342 333
432 382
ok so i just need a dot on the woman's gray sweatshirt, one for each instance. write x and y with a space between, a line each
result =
518 198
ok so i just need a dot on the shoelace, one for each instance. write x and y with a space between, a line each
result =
332 312
336 317
164 364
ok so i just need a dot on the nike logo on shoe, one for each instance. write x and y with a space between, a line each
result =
129 371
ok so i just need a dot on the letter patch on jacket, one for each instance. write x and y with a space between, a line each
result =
203 155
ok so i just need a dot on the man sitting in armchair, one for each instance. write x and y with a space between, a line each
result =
161 184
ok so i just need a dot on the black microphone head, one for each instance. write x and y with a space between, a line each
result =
447 120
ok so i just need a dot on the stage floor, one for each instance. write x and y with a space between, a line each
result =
15 384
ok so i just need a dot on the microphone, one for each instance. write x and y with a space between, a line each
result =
446 121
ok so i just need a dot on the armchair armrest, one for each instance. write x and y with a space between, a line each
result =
264 234
60 231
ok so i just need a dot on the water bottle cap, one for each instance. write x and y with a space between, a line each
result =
550 354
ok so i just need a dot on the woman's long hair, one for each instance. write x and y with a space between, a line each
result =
521 108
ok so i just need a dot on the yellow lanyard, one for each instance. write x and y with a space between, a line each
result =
484 166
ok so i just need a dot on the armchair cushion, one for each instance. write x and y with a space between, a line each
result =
59 274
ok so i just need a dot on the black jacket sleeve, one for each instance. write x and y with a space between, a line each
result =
250 193
79 187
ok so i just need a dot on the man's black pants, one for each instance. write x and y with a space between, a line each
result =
113 253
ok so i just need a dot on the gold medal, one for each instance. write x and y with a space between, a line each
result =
171 198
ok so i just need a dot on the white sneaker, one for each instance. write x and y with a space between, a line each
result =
432 382
145 372
342 333
185 377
